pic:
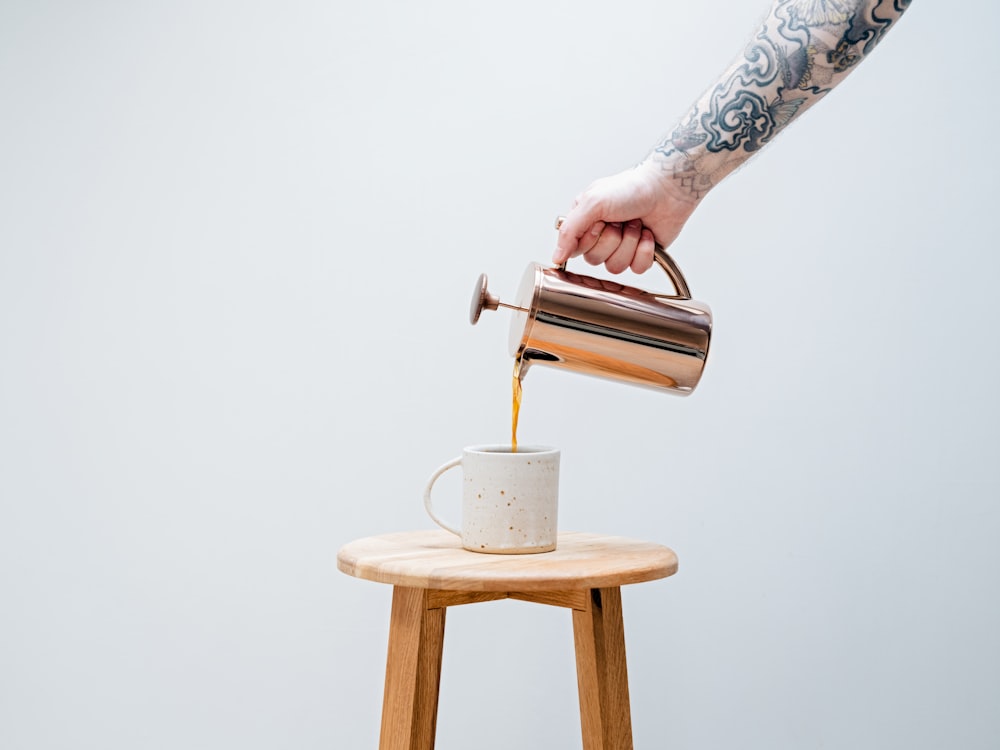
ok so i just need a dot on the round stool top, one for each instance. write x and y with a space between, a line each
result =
435 559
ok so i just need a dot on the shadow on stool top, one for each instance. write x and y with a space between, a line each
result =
435 559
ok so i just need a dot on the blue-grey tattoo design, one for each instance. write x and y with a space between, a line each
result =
779 74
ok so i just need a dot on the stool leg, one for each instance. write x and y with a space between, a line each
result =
601 672
412 672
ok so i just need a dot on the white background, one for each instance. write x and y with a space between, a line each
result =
237 245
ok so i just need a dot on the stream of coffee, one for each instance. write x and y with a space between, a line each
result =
515 403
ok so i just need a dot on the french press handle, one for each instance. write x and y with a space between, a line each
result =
663 260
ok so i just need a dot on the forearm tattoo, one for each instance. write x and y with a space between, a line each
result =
802 51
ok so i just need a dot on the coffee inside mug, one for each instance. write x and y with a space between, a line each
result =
509 449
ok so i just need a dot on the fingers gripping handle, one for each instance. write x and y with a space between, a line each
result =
427 495
663 260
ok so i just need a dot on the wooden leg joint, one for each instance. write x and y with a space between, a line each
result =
572 599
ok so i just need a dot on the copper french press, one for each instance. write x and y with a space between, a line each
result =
606 329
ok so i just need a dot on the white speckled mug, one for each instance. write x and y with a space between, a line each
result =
509 500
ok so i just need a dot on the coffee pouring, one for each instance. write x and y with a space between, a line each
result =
605 329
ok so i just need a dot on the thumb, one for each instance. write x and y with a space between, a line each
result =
572 231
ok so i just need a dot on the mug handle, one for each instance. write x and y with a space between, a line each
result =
427 495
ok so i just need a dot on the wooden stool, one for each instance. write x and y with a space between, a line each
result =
430 571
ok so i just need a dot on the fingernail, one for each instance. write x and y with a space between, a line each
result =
597 228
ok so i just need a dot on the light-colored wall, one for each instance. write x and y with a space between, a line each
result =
237 242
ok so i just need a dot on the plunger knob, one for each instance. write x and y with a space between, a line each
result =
481 299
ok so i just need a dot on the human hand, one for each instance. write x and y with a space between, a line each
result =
618 220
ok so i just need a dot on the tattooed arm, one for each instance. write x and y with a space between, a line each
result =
802 50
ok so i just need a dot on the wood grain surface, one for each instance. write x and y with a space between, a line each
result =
435 559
